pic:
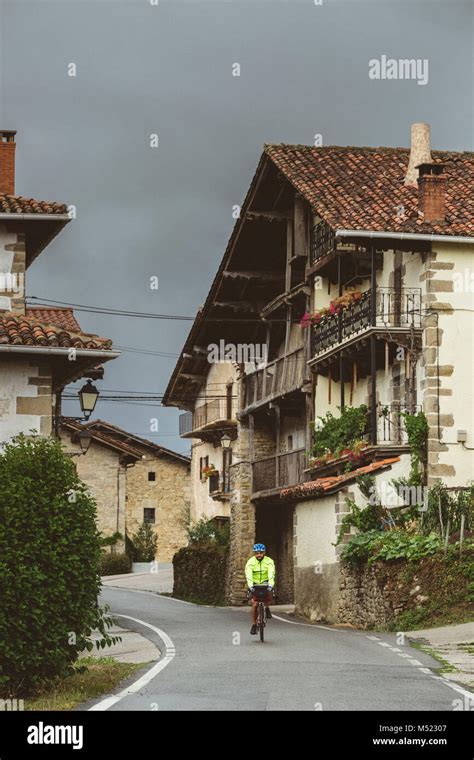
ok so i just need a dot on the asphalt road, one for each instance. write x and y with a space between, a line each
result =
210 662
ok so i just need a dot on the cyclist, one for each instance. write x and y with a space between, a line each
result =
259 569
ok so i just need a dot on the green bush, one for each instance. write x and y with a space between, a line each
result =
49 565
374 545
208 532
397 544
115 564
337 433
144 543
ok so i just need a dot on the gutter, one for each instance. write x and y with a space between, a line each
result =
13 216
55 351
405 236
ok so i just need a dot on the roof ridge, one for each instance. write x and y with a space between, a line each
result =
365 148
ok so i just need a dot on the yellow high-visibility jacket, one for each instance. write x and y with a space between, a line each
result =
260 572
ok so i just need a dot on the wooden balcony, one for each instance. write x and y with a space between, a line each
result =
396 310
279 377
279 471
210 420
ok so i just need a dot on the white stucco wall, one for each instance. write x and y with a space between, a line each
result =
316 532
14 377
6 261
457 349
202 505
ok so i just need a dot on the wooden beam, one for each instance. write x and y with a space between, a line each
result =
257 275
247 307
272 216
193 378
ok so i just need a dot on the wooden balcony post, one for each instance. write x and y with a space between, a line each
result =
373 378
277 445
341 378
373 288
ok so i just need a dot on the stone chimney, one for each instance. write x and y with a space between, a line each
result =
432 192
7 161
420 151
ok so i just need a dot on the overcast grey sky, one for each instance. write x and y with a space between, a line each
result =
167 69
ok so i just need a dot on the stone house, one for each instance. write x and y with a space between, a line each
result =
133 481
42 349
389 232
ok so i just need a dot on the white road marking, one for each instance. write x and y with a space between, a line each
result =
311 625
395 649
153 593
384 644
373 638
104 704
416 662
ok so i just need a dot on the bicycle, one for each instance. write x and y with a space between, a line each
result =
260 592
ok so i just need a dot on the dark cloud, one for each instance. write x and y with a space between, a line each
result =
143 69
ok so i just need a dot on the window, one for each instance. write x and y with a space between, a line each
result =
149 515
152 477
203 462
290 443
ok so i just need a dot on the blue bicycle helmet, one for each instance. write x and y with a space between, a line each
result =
259 547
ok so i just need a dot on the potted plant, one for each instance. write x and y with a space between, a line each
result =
209 470
143 548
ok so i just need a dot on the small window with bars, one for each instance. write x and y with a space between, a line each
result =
149 515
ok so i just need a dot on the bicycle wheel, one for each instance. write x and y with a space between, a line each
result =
261 619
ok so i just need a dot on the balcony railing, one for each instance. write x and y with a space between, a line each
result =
391 426
279 471
322 241
394 308
214 411
219 484
280 376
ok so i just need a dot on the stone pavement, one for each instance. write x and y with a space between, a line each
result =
161 582
133 648
455 644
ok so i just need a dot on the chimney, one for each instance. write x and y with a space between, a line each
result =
420 151
432 192
7 161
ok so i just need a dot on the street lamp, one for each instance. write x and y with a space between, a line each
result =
226 441
84 438
88 396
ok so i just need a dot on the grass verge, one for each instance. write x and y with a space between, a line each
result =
102 676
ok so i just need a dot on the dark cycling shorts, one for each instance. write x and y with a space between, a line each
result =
267 600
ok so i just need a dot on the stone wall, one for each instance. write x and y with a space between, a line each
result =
168 495
242 518
105 477
375 596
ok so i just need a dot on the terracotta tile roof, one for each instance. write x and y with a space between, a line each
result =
363 189
321 486
17 204
117 438
16 330
61 316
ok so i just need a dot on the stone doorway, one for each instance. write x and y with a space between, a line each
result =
274 528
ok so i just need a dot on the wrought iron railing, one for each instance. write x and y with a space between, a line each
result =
393 308
391 426
278 377
212 411
322 241
279 471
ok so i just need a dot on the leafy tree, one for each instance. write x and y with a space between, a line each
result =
49 565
